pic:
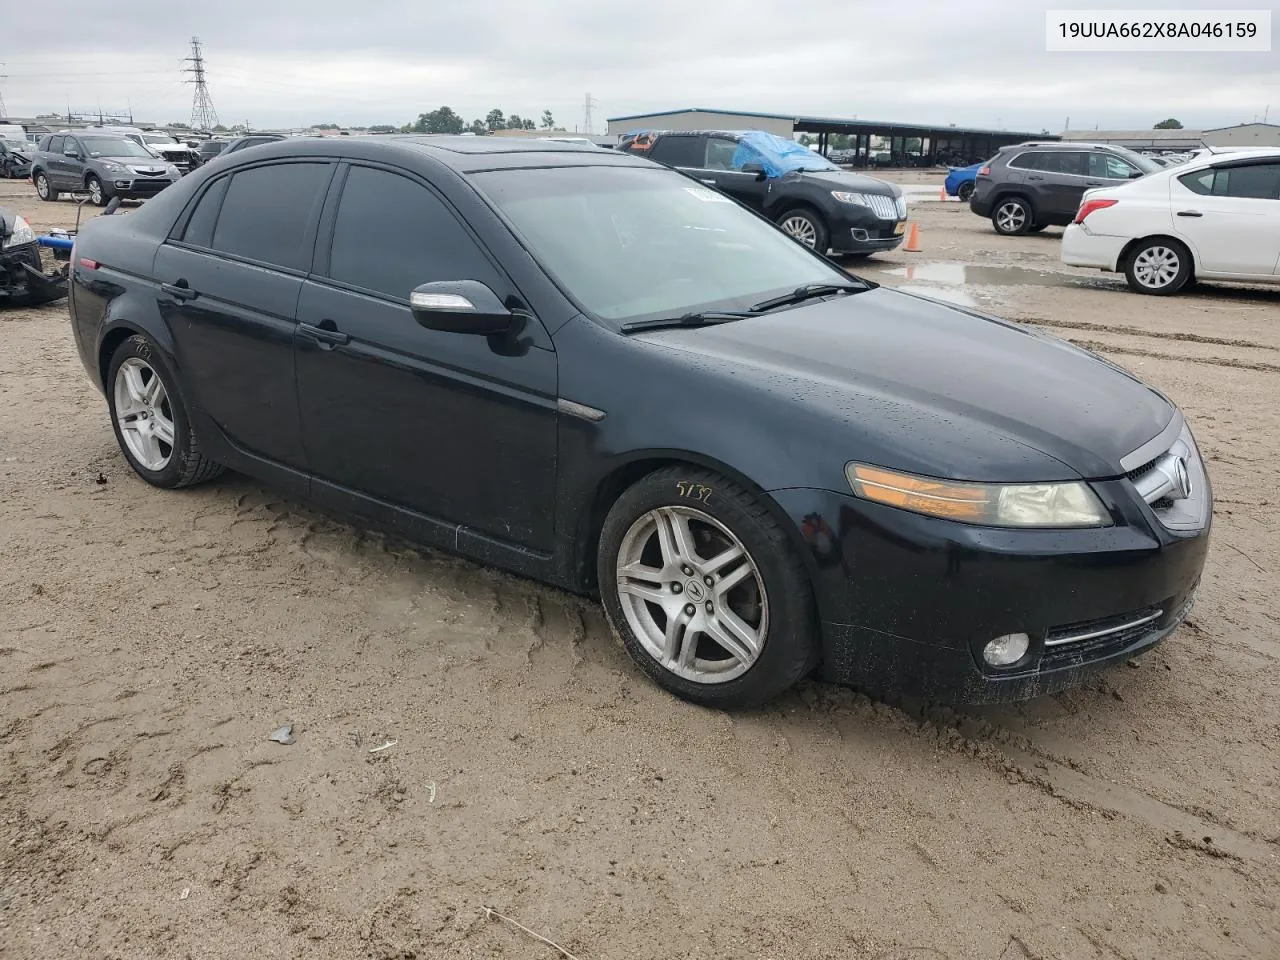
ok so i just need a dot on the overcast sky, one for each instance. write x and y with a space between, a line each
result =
298 62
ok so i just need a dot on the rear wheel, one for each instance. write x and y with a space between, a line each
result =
1011 217
705 590
44 189
965 191
150 418
806 227
1160 267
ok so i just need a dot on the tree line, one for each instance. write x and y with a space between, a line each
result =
446 120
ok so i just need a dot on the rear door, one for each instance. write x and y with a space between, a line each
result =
1229 214
458 427
1065 174
231 275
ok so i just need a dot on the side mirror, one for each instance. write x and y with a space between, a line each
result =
460 306
71 152
756 168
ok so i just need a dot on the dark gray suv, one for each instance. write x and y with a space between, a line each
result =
1030 186
101 165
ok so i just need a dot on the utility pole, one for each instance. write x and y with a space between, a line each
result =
3 112
203 116
586 114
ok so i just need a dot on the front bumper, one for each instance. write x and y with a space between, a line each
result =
859 230
1083 249
137 188
23 280
907 602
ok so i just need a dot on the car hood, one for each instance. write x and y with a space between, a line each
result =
853 182
929 388
135 161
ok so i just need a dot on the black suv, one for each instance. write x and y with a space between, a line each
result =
819 204
101 165
1030 186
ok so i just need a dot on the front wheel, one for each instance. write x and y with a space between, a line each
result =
805 227
1160 267
44 189
150 418
705 590
97 195
1012 217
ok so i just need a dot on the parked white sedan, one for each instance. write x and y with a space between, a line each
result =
1213 218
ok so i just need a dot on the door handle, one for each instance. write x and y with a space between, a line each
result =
711 182
179 290
1035 178
1190 213
327 334
1094 183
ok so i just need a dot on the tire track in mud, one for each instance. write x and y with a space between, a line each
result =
1182 336
1097 346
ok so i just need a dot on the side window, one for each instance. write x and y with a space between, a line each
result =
54 145
267 210
199 230
1255 181
1200 182
676 151
1107 167
430 244
720 153
1028 161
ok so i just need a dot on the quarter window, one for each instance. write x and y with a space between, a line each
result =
267 213
199 231
1028 161
428 242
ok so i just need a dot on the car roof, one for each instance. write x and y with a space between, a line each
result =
463 154
1061 145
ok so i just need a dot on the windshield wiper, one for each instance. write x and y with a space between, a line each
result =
808 292
706 318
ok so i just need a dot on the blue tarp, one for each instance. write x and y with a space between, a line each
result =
777 155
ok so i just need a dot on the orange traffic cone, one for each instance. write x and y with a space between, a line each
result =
942 193
913 239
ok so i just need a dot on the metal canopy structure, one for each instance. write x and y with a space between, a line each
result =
937 143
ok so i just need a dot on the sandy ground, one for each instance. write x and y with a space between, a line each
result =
150 641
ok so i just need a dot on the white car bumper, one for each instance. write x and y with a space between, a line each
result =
1083 249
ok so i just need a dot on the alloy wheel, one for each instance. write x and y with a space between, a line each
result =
1011 217
95 191
692 595
144 414
42 187
1156 267
802 229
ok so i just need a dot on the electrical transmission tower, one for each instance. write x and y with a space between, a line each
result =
586 114
203 116
3 112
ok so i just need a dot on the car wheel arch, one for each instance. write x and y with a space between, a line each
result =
117 331
634 468
1007 194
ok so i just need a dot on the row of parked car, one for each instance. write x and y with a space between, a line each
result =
1215 216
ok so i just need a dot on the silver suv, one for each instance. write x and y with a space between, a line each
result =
101 165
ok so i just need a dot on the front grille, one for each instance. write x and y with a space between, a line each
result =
1139 472
883 207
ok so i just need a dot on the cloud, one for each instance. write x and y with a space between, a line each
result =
290 62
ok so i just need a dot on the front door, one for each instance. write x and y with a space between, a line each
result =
718 166
229 284
1229 214
457 427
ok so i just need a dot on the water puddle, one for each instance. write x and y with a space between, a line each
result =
966 274
946 294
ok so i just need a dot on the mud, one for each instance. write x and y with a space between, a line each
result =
150 642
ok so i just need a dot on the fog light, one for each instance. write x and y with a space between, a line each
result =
859 234
1006 650
122 183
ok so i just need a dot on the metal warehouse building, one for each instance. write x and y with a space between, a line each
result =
1241 135
936 140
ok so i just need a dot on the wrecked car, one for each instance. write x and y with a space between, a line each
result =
23 281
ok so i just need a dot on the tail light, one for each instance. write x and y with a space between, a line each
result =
984 172
1089 206
89 264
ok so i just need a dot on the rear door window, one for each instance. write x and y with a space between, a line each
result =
269 213
679 151
1254 181
429 242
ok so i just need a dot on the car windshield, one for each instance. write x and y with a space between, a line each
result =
114 147
159 138
1145 164
629 243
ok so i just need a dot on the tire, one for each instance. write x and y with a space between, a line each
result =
1158 266
769 591
806 227
136 405
97 192
44 189
965 191
1012 216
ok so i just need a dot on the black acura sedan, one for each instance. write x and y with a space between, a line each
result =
592 370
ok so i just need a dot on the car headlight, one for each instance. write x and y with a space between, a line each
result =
112 167
1070 504
22 233
859 198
